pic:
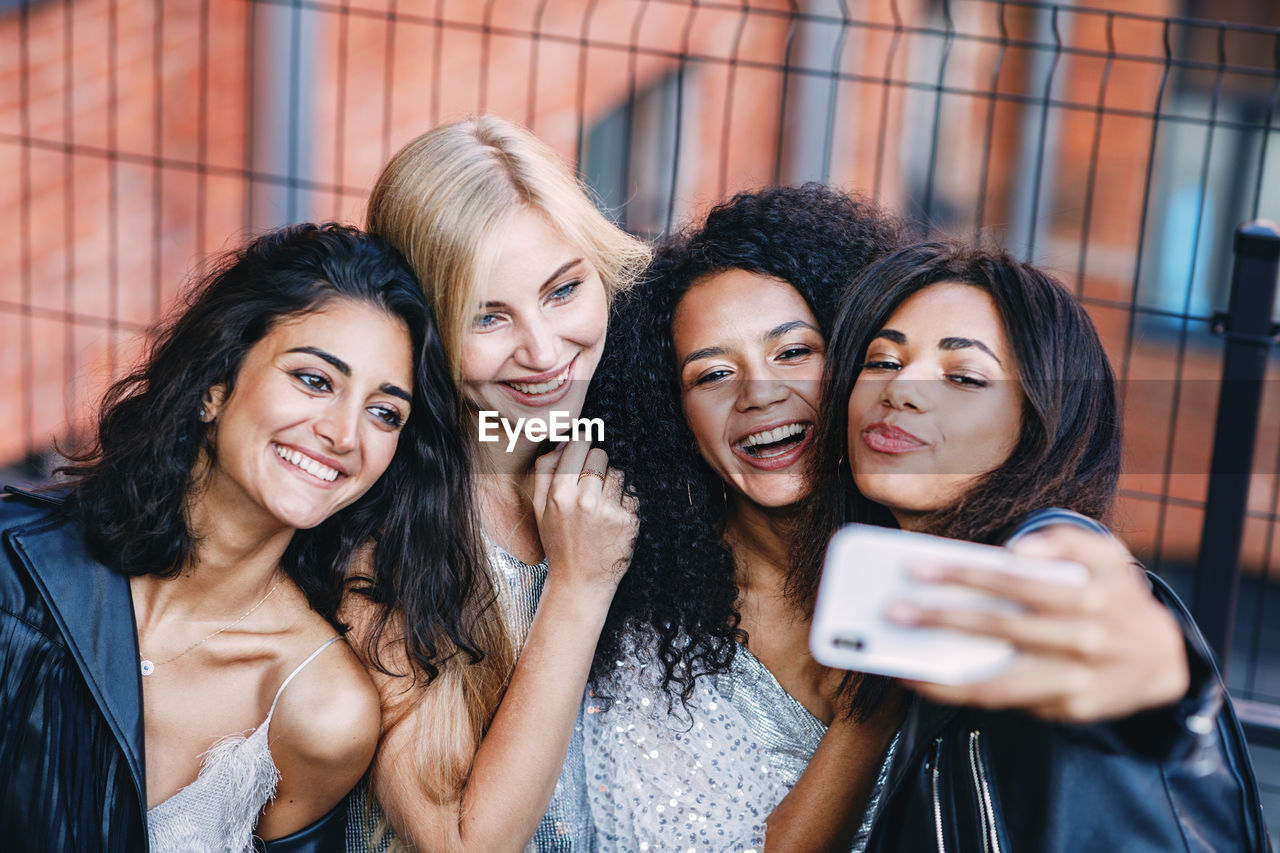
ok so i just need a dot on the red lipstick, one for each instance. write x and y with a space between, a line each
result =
886 438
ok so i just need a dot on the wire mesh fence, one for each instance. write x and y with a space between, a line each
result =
1117 146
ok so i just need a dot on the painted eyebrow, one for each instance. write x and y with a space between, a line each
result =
891 335
396 391
944 344
775 332
705 352
345 369
561 270
779 331
968 343
338 364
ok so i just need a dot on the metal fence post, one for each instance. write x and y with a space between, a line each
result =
1250 334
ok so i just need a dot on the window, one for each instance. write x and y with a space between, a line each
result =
631 159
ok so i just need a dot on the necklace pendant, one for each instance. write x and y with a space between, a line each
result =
147 667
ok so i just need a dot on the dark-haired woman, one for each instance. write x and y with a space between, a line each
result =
972 399
170 665
710 716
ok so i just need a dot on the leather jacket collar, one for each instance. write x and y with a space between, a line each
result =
923 723
92 606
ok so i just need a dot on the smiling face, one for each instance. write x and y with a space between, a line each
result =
537 338
313 419
750 359
937 404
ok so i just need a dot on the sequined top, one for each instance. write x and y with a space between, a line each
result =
705 777
566 827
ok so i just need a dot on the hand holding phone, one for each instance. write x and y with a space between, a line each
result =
869 568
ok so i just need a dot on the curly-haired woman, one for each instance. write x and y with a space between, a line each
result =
725 336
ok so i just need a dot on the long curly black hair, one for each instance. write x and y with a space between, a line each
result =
130 488
681 586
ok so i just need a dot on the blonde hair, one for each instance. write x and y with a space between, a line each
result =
445 201
446 198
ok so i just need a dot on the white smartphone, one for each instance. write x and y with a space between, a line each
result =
868 568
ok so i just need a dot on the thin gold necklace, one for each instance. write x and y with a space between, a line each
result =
148 667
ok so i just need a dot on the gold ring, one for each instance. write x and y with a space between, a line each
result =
591 472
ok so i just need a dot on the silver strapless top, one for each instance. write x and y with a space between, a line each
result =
566 827
785 730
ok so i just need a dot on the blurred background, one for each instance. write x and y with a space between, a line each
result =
1117 142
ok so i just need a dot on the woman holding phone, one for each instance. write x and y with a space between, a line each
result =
480 747
972 399
172 672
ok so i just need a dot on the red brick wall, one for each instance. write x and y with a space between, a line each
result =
106 238
127 161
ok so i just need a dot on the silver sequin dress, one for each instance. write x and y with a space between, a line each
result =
704 778
566 827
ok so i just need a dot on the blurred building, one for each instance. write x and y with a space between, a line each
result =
1118 142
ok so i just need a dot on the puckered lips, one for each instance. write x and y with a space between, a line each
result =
887 438
314 468
539 390
771 447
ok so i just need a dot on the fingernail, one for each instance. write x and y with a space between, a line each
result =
902 613
1034 545
562 445
926 572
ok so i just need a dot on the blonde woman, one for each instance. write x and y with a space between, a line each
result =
481 749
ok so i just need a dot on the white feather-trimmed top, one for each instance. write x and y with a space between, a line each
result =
218 811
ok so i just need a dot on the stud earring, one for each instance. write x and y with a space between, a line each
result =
204 412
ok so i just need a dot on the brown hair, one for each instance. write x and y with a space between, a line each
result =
1068 452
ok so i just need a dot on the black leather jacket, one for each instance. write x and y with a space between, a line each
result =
1177 779
71 740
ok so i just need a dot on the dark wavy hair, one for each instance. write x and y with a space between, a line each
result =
680 586
130 487
1068 452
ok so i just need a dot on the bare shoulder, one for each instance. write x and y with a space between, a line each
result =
323 736
329 715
